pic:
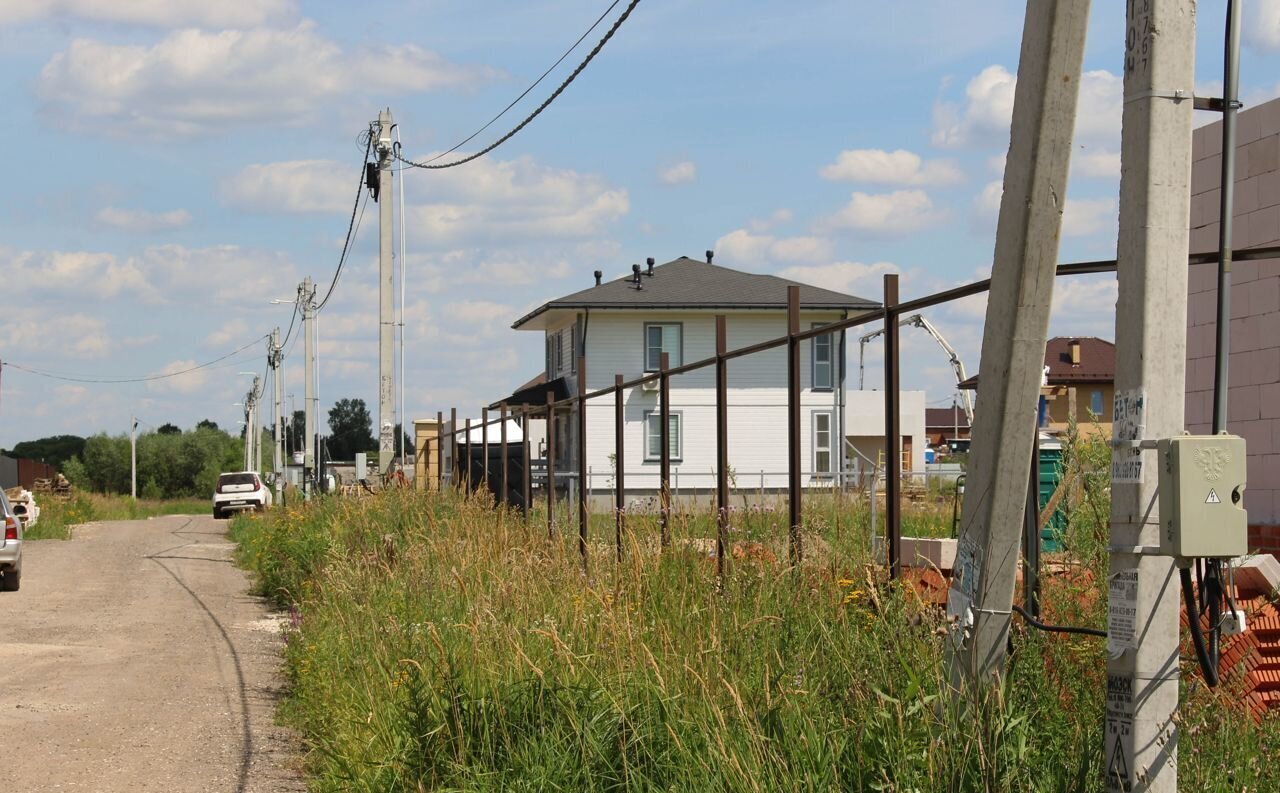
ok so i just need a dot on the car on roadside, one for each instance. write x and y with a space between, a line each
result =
10 547
239 491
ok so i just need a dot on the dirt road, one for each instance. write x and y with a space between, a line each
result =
134 659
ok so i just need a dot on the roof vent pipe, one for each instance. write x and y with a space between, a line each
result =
649 262
710 255
599 275
635 275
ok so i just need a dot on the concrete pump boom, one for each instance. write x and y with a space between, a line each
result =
957 366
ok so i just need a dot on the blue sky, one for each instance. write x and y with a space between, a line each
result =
174 164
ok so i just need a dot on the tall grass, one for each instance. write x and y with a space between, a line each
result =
438 643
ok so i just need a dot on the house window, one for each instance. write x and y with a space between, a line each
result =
659 338
560 362
653 435
1095 403
573 348
823 462
551 361
823 367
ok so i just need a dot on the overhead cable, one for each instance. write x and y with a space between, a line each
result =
146 379
432 165
351 224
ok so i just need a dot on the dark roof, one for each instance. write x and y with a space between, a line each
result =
1097 361
534 392
946 417
689 283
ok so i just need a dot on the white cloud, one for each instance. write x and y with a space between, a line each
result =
488 201
741 248
140 220
153 13
899 168
898 212
778 218
193 82
680 173
1098 163
25 332
854 278
987 204
1083 217
500 269
190 382
1262 28
58 273
234 331
984 119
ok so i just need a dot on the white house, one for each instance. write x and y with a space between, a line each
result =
623 326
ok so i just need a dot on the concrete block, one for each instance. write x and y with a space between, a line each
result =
926 552
1213 138
1243 273
1259 573
1264 155
1240 369
1245 401
1269 112
1245 336
1264 296
1204 173
1201 277
1202 240
1264 227
1257 435
1265 365
1268 189
1248 129
1242 155
1246 197
1269 473
1241 293
1269 405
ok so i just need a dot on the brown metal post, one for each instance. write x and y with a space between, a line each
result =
466 475
502 437
551 465
619 465
526 489
722 444
664 455
793 421
484 448
582 458
453 446
892 429
439 450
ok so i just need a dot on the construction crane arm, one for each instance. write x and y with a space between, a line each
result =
957 366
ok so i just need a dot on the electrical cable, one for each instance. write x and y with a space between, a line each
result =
431 165
1072 629
146 379
351 224
1209 669
292 319
526 91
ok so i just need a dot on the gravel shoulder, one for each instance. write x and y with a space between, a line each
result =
134 659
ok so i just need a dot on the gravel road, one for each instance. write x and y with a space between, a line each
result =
134 659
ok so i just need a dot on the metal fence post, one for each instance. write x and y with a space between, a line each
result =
722 445
1031 544
467 470
526 486
551 464
664 454
484 447
502 438
439 450
892 429
793 421
453 448
619 466
582 458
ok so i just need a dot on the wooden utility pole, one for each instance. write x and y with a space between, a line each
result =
1151 331
1013 342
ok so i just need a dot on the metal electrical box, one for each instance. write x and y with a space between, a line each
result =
1202 479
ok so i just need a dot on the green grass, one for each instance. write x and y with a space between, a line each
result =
437 643
58 518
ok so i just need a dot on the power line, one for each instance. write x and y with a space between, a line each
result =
430 164
148 378
351 225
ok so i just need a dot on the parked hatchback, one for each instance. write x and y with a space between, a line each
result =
10 548
239 491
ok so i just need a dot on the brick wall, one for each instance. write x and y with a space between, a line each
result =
1254 378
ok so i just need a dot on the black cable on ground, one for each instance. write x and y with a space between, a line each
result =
1071 629
1209 669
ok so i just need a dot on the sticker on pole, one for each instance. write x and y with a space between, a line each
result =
1122 612
964 580
1128 425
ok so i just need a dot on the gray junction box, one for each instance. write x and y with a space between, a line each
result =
1202 481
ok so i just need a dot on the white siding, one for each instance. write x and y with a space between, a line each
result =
757 398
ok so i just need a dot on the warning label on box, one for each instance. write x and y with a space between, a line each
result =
1130 423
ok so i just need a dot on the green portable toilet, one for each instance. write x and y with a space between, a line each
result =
1050 475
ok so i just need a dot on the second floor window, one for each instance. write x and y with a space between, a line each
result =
660 338
823 367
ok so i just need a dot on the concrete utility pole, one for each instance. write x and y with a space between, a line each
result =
1141 739
255 426
133 457
276 357
307 294
386 300
1013 342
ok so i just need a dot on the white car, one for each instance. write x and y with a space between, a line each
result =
239 491
10 548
